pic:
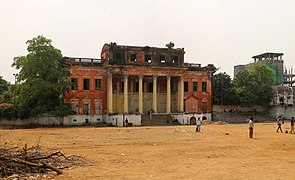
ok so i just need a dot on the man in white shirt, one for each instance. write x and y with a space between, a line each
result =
198 123
279 121
251 126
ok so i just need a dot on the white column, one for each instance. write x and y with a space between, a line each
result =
110 94
155 94
181 94
168 99
126 94
140 105
118 99
178 95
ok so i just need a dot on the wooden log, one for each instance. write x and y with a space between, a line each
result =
51 167
40 165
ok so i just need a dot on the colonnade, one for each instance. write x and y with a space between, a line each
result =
140 94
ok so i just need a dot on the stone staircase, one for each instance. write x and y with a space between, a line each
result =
156 120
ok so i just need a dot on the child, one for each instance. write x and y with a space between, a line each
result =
198 123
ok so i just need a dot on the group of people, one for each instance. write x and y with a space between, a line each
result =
280 121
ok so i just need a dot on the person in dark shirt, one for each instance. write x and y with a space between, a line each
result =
292 125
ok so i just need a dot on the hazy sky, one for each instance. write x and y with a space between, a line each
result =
220 32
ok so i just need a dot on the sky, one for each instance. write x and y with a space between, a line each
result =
220 32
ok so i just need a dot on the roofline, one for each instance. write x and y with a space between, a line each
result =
143 47
67 57
268 53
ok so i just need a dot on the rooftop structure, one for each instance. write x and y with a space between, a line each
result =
268 56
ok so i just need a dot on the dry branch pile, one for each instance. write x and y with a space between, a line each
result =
23 161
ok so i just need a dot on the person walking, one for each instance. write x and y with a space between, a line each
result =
198 123
292 125
251 127
279 121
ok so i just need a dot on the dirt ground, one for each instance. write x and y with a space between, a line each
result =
169 152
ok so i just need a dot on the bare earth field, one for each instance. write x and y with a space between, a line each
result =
169 152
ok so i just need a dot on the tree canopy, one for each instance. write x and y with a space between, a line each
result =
42 78
3 85
4 91
223 90
254 85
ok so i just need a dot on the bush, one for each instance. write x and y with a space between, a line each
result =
7 113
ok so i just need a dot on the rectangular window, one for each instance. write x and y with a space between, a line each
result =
175 60
204 86
185 86
74 85
150 87
133 57
86 109
97 84
86 84
162 59
98 107
118 55
195 86
74 107
148 58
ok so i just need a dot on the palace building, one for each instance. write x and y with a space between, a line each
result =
128 80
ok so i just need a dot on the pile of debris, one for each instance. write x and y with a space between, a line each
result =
21 162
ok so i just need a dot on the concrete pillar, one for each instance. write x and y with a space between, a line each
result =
155 94
118 100
131 95
168 99
181 95
178 95
110 93
126 94
140 105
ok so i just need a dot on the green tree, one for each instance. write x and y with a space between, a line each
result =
254 85
3 85
42 79
223 90
5 91
7 96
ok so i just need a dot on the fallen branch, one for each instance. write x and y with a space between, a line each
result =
39 165
23 162
46 157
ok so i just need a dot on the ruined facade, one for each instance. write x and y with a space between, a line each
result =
138 80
